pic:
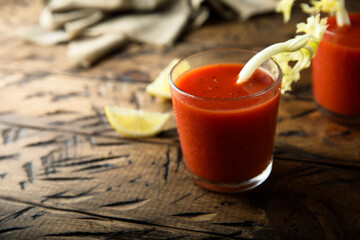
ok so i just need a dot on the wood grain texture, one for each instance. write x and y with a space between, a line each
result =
66 174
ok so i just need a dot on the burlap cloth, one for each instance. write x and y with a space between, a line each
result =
93 28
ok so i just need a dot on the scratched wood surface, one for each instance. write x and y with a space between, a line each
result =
66 174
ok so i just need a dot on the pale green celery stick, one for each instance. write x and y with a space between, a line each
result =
300 49
255 62
336 7
342 17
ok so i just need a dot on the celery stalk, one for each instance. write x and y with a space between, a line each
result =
255 62
301 49
331 7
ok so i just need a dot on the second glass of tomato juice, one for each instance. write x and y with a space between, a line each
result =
335 72
226 130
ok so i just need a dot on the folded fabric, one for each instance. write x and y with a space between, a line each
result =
94 28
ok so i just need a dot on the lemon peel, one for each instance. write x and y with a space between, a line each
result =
284 7
332 7
301 49
160 86
136 123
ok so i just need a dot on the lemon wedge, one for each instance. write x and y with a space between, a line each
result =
136 123
160 86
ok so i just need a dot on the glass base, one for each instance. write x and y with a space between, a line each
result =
339 118
233 187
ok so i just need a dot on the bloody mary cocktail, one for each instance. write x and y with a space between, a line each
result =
336 73
226 129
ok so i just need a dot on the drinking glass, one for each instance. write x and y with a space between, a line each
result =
227 143
336 73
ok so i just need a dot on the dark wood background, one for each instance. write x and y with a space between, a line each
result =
66 174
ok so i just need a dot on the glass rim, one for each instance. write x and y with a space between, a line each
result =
342 35
253 95
332 33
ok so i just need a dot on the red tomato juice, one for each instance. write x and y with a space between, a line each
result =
335 69
226 130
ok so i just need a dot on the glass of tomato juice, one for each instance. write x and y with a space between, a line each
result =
336 72
226 130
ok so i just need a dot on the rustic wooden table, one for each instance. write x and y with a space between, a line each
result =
66 174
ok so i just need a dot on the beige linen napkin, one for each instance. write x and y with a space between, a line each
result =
93 28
